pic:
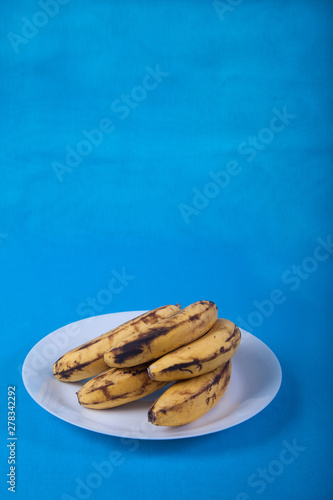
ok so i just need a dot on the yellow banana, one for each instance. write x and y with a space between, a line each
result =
116 387
87 359
188 400
184 327
201 356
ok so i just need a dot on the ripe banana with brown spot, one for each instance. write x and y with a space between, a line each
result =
87 359
184 327
188 400
116 387
211 350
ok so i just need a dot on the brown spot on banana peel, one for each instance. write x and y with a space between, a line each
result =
204 302
135 372
151 416
102 388
194 317
105 391
232 346
210 400
133 395
147 320
216 380
235 333
184 366
65 374
107 397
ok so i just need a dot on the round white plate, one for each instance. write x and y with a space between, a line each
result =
255 380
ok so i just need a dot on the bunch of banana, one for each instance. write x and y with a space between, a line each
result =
190 347
87 359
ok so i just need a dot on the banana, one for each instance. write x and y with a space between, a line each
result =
116 387
201 356
188 400
87 359
184 327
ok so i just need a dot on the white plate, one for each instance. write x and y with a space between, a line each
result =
255 380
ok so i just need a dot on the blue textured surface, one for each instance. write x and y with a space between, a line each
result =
183 93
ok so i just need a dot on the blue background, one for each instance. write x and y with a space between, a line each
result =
120 209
